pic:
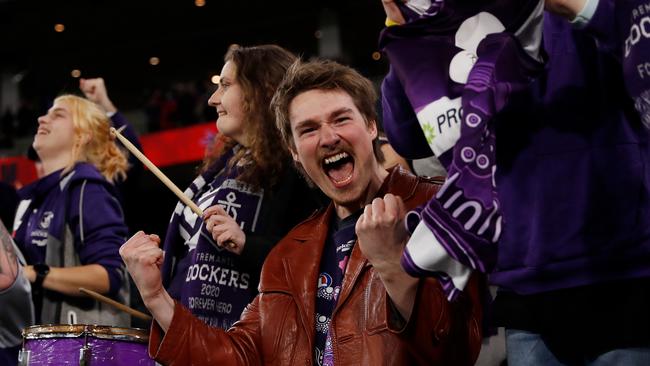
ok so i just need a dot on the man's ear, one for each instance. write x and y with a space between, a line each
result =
372 127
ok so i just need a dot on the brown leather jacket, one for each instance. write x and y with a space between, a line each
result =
277 328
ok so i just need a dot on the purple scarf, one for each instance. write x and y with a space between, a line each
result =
454 66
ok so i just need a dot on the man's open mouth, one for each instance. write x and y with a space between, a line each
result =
339 168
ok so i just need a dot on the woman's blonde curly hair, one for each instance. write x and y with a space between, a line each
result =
99 148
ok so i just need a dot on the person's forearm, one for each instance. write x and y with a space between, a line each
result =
565 8
401 287
8 266
161 307
68 280
107 105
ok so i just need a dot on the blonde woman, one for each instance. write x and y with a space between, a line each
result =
69 223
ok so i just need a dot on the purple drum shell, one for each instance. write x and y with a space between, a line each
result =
64 350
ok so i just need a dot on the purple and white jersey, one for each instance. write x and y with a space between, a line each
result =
211 281
216 289
454 66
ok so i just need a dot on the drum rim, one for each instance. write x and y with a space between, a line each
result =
46 331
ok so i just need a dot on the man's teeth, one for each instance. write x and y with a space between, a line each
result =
335 158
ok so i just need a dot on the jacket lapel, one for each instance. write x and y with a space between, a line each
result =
356 265
302 269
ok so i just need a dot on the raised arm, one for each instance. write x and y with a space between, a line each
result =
382 237
177 337
95 91
143 258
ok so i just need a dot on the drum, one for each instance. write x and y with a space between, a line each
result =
84 345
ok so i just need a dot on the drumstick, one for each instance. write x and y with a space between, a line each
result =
134 150
154 169
114 303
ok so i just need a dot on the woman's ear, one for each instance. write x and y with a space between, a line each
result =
84 138
294 154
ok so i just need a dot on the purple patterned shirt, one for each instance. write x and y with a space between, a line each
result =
336 254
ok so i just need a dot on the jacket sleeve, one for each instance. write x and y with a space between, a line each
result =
119 120
135 166
98 225
189 341
400 122
439 329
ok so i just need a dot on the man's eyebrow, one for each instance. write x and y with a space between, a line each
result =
332 115
339 112
305 122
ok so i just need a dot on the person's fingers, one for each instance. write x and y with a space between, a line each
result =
378 210
146 255
155 238
225 238
209 223
401 208
136 243
214 210
391 206
222 227
367 212
219 230
131 242
219 218
393 12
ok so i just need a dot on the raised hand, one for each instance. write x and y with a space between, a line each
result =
381 236
381 231
95 90
143 258
392 11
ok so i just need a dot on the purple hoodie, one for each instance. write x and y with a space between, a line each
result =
574 173
53 203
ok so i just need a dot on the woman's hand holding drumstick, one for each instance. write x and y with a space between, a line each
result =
163 178
225 231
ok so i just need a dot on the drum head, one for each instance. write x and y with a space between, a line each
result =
77 330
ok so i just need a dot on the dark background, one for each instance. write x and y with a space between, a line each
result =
115 39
